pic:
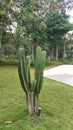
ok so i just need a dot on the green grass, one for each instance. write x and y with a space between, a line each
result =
56 100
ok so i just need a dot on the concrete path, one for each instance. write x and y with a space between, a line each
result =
62 73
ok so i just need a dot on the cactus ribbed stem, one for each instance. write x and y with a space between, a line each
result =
31 88
39 66
22 69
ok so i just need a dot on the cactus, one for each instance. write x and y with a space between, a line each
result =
31 88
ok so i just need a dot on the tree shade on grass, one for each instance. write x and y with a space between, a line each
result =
56 100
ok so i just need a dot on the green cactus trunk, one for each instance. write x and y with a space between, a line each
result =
31 88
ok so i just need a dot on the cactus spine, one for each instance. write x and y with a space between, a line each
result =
31 88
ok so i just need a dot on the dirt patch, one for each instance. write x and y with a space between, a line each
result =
54 65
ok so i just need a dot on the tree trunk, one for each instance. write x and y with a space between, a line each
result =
32 50
52 54
1 31
56 52
0 43
64 51
0 39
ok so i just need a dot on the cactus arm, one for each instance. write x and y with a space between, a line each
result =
40 61
28 73
41 72
21 79
22 70
37 62
37 68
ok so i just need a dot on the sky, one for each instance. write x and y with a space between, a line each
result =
71 16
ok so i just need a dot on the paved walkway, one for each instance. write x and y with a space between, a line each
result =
62 73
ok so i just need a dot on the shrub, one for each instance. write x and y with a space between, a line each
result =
67 61
11 60
2 62
48 62
12 57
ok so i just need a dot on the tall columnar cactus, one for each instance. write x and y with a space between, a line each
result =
31 88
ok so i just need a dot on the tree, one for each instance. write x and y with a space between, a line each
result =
5 19
69 42
31 28
31 88
57 27
8 44
2 21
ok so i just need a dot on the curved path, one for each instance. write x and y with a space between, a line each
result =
62 73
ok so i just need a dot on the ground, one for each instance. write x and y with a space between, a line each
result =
56 101
61 73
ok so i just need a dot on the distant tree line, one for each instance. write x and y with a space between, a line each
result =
43 23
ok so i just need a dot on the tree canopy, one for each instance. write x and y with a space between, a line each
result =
43 23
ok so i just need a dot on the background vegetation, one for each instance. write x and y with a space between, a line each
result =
43 23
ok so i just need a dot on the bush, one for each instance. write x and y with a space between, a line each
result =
2 62
48 62
12 57
67 61
11 60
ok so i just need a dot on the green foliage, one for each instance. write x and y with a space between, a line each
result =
12 57
48 62
67 61
6 34
2 61
11 60
32 29
8 43
58 25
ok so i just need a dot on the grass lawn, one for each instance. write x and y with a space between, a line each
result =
56 100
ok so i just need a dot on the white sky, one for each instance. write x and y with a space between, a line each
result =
13 26
71 16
